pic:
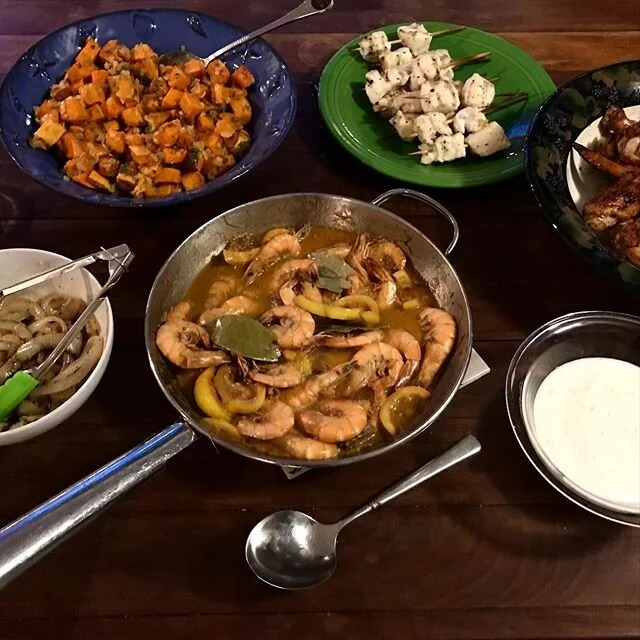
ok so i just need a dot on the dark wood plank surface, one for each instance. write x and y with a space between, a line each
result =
485 551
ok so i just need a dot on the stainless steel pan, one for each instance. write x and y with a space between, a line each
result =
28 538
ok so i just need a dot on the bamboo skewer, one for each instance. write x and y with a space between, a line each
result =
434 34
478 57
522 97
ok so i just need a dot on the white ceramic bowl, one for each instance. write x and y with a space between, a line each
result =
19 264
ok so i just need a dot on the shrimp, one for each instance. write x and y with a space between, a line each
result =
220 290
310 391
273 421
439 334
233 306
240 251
409 347
297 446
387 254
281 376
281 246
356 256
349 340
178 340
311 291
339 250
386 286
290 274
376 361
296 325
180 311
334 420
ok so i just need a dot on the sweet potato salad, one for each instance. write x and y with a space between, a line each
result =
125 124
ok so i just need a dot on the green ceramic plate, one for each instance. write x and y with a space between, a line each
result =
365 134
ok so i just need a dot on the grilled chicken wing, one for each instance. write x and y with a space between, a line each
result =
615 121
603 163
619 202
626 241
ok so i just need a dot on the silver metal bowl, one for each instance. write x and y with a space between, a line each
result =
584 334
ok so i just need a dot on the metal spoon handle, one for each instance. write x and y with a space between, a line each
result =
466 448
304 10
79 324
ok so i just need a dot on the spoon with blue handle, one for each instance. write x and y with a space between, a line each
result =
18 387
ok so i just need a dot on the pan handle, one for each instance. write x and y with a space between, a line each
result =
29 538
434 204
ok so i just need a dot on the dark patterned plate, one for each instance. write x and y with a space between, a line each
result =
556 126
273 97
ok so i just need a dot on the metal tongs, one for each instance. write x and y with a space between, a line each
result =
22 383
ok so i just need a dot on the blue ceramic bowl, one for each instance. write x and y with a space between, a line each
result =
273 97
557 125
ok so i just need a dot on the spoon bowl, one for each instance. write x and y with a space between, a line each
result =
291 550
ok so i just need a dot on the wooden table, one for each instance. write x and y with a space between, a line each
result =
487 550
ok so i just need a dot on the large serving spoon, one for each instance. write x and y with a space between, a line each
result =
306 9
291 550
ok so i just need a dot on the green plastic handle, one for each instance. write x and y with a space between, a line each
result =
14 391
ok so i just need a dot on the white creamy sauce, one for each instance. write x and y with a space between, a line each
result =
586 417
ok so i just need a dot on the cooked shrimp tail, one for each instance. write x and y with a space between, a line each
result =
439 329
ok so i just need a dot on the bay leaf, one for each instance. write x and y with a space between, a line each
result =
333 284
332 267
244 336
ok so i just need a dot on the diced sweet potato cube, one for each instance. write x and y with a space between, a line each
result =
140 154
70 146
173 156
186 137
241 110
73 110
61 90
167 134
220 94
171 99
198 89
48 134
89 52
100 181
213 142
113 50
165 190
192 180
79 72
108 166
133 138
113 107
154 120
83 179
218 72
205 122
82 164
177 79
96 149
226 126
133 116
168 175
91 94
242 77
191 105
115 141
99 77
141 51
96 113
149 69
216 164
46 107
125 87
194 68
125 181
111 124
54 116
